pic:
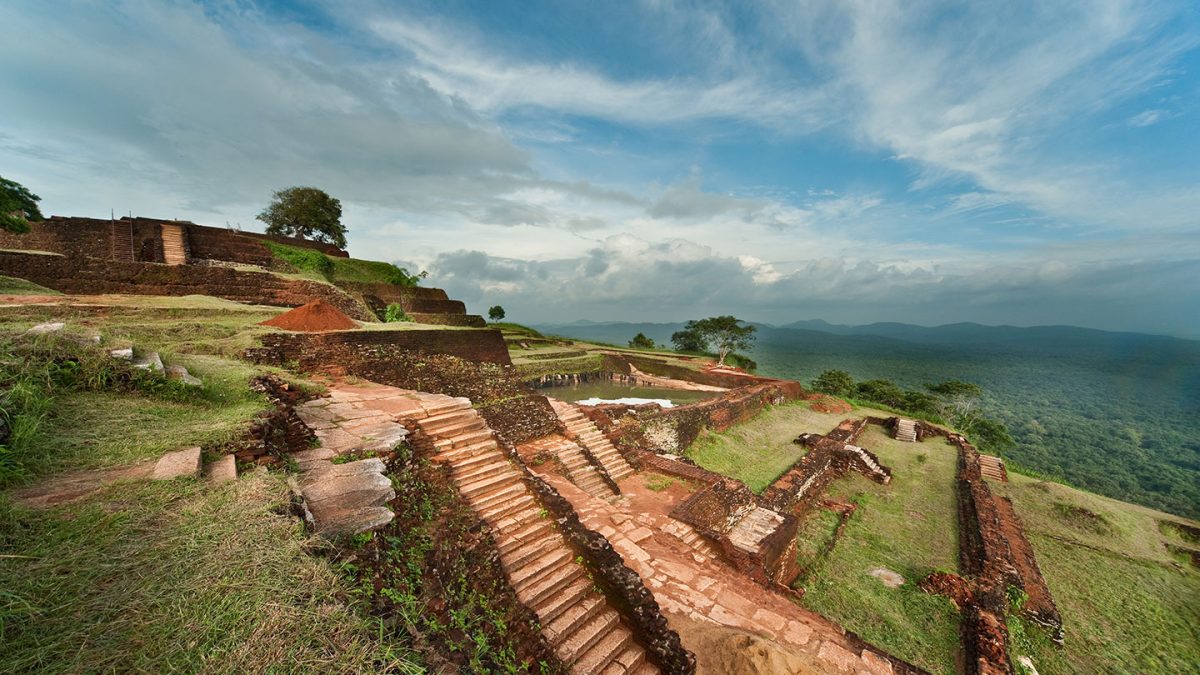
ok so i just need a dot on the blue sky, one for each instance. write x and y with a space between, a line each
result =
931 162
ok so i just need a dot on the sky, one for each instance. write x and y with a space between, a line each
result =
1011 162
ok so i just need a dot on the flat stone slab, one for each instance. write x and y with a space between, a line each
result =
43 328
355 491
177 372
184 462
123 354
223 470
326 471
887 577
150 361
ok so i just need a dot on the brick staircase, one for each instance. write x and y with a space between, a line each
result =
749 532
587 435
122 241
586 633
906 430
580 471
993 467
174 247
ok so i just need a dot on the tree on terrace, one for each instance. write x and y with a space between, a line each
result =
496 313
724 332
18 206
689 339
305 212
640 341
836 382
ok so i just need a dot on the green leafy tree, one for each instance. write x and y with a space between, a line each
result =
640 341
880 391
727 334
989 435
836 382
496 313
690 339
305 212
18 206
959 401
395 313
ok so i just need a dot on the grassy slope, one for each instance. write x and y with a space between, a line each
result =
15 286
1127 604
174 576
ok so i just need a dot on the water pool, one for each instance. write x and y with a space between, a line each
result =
593 393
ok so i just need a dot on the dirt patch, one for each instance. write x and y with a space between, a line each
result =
824 403
313 317
950 585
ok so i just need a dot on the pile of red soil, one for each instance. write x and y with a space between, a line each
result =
824 403
317 315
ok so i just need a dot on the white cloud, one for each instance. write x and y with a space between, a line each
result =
1147 118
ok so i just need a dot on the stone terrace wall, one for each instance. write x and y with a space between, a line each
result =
619 363
94 276
470 363
92 238
424 300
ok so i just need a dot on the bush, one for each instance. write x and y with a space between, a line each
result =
395 313
303 259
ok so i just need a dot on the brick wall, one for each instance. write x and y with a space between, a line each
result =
95 276
619 362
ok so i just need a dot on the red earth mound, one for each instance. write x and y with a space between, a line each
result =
824 403
317 315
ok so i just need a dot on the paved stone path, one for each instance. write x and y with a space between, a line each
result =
585 632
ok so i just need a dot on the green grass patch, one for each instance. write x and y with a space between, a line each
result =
758 451
174 576
909 526
1127 603
657 482
15 286
316 265
509 328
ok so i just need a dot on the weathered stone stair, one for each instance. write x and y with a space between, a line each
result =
122 241
993 467
586 633
590 437
174 247
906 430
580 470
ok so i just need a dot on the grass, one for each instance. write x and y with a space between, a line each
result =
15 286
1127 604
758 451
313 264
909 526
175 576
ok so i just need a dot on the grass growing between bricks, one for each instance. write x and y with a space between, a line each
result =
176 576
1127 604
909 526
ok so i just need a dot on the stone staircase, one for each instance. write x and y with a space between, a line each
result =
749 532
906 430
692 538
579 469
877 472
174 247
586 633
587 435
122 241
993 467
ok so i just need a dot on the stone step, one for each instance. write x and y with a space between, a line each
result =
517 519
484 485
572 619
480 469
321 471
527 552
505 508
223 470
630 659
500 495
646 668
452 414
553 607
550 583
185 462
604 652
577 644
466 451
462 440
538 530
474 460
535 570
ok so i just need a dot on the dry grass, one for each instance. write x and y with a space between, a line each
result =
176 576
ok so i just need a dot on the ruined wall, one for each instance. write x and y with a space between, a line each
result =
96 276
468 363
619 363
276 432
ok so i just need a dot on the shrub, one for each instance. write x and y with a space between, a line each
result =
395 313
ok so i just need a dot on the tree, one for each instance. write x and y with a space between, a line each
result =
880 391
959 401
305 212
990 434
18 206
727 333
689 339
836 382
496 313
640 341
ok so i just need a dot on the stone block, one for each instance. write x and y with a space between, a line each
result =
184 462
223 470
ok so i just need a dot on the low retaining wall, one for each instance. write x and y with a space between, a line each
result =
619 362
96 276
466 363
